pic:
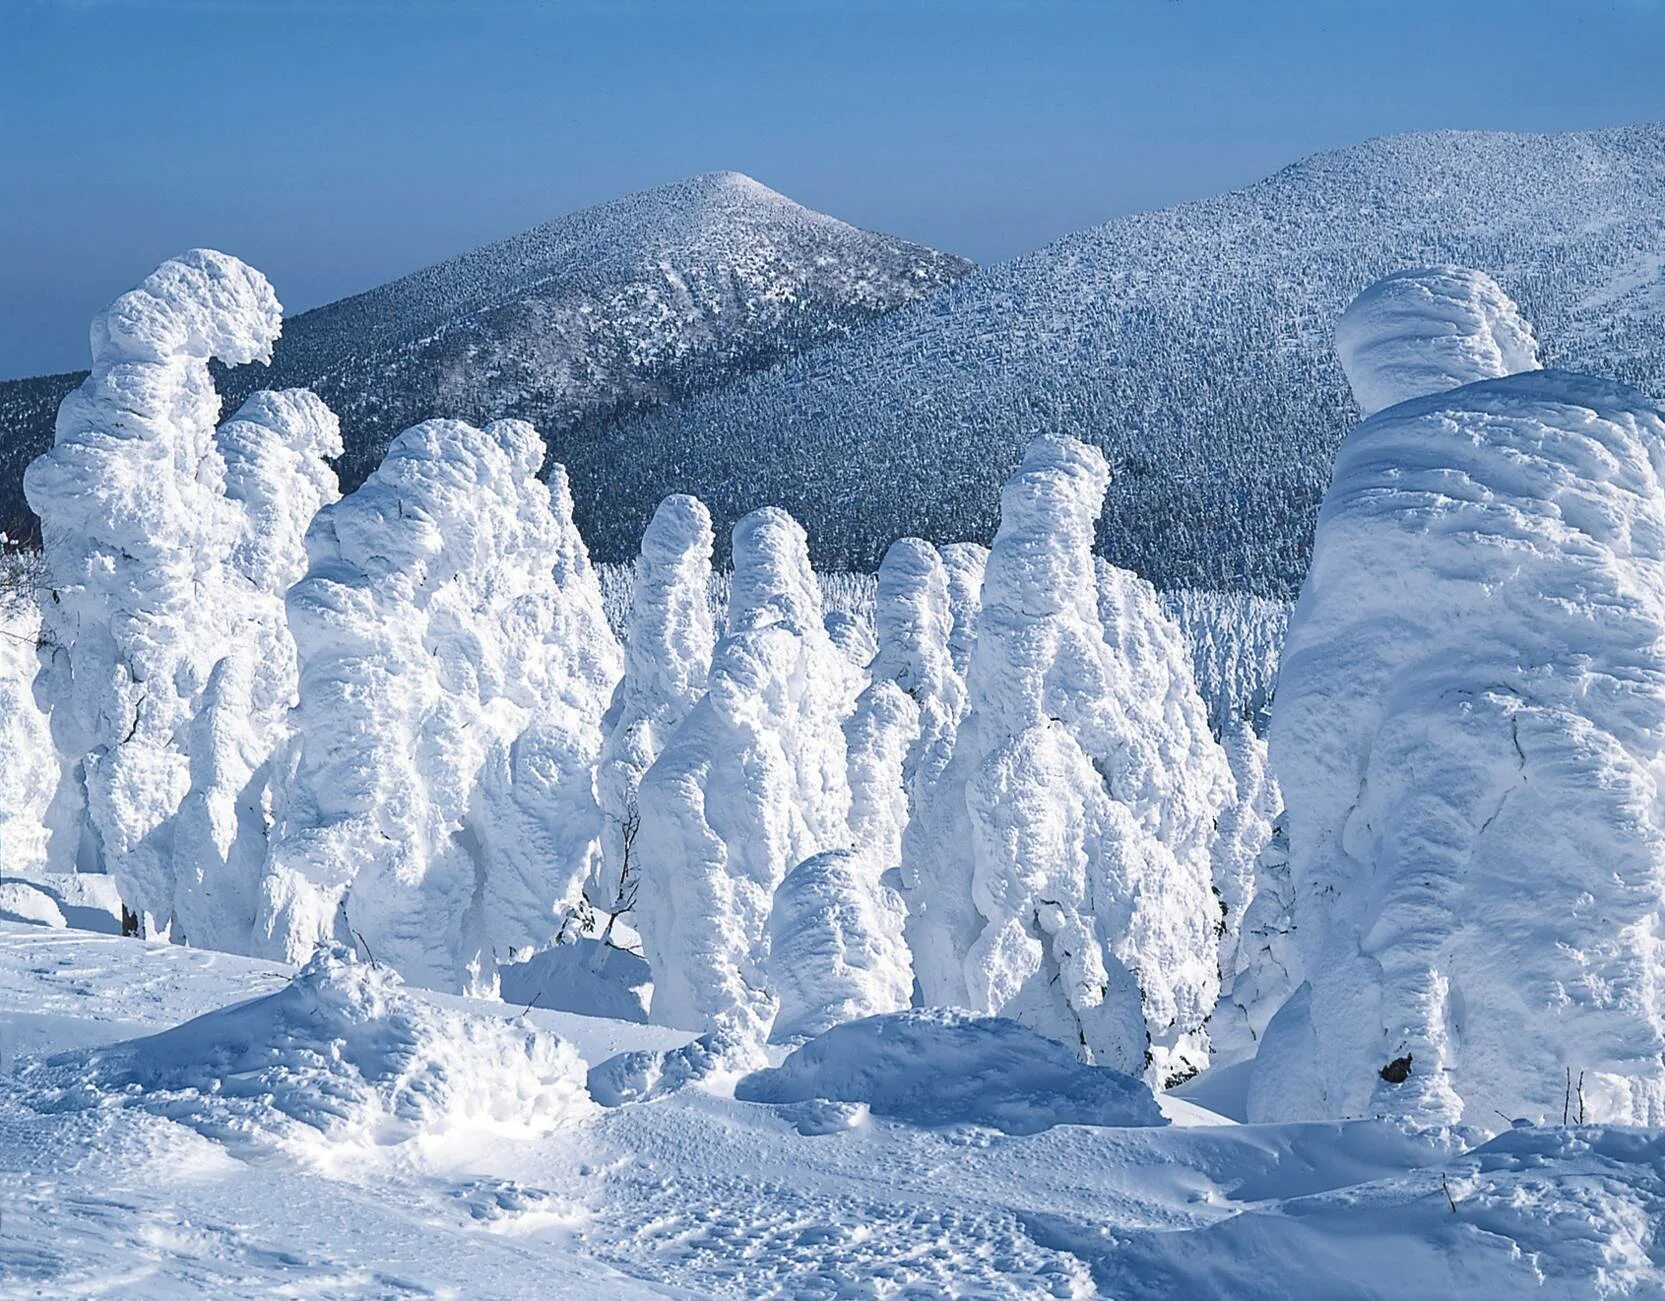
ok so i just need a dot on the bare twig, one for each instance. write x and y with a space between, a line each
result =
1566 1099
1581 1097
359 936
1445 1184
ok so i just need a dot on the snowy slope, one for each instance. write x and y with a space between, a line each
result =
700 1194
1193 345
650 297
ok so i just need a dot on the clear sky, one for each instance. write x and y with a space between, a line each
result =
336 143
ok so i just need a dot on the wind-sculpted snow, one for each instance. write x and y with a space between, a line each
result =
277 476
836 948
1062 873
936 1066
455 662
1469 732
902 729
136 531
752 783
965 563
1421 332
336 1065
669 636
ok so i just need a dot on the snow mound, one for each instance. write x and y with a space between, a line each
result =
1425 331
939 1066
835 946
23 901
649 1073
339 1063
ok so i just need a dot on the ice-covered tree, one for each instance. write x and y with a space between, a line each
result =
437 806
136 529
1470 732
965 563
752 783
1073 893
277 477
901 732
29 770
668 642
836 950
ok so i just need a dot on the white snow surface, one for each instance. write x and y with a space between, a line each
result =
339 1065
699 1193
1470 735
1426 330
752 783
438 806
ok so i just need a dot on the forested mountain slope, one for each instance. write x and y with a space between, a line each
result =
1192 344
648 298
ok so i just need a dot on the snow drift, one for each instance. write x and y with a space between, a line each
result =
338 1064
1470 732
935 1067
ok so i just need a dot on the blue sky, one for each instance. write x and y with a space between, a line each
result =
335 143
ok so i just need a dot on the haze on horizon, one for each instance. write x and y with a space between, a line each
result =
338 145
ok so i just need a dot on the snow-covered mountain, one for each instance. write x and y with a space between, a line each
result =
1193 345
650 297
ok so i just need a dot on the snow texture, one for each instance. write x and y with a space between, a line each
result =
901 732
669 638
1062 877
136 530
751 784
455 661
335 1067
937 1066
965 563
836 946
1469 732
1420 332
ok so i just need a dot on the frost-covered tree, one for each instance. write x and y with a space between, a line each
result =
1470 733
836 950
29 768
136 528
752 783
667 657
901 732
276 452
1074 894
438 804
965 563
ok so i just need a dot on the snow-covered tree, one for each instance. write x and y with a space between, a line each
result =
1470 733
136 528
29 770
752 783
965 563
437 805
901 732
1074 891
668 641
836 950
277 476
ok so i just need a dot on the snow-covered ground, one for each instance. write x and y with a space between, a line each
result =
106 1193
